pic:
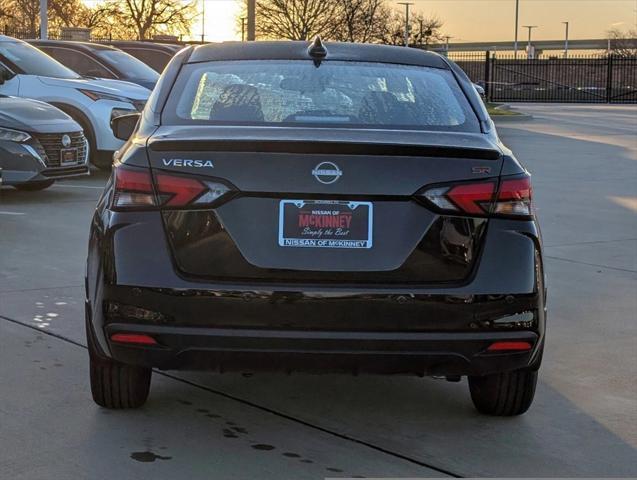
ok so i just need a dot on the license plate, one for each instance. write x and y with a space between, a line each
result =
325 224
68 156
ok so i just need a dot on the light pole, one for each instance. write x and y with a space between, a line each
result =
252 11
406 4
517 18
203 20
44 22
447 37
566 41
528 48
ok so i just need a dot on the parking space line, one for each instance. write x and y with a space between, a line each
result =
11 213
39 289
598 265
271 411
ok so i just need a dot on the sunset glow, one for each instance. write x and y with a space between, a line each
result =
472 20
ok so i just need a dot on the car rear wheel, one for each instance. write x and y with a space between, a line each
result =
504 394
116 385
35 186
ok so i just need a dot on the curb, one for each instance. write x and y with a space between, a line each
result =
522 117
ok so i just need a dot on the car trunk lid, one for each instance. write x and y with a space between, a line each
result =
287 182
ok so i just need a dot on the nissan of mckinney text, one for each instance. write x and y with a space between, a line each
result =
320 207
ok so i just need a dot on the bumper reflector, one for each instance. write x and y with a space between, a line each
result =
133 338
509 346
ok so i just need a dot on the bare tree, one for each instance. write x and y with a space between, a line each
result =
297 19
20 14
146 18
341 20
426 30
423 30
623 44
24 15
104 21
360 20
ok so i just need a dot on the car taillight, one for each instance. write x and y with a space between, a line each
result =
133 188
177 191
471 198
512 198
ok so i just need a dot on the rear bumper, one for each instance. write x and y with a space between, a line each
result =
352 352
132 286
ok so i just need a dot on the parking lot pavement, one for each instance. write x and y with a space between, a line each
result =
583 422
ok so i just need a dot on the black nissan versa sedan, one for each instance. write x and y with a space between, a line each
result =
315 207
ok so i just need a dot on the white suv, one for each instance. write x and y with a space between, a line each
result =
26 71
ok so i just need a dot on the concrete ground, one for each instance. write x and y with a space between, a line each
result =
583 421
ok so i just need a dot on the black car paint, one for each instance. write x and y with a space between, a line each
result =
136 283
155 55
89 49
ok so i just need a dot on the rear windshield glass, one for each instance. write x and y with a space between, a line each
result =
336 94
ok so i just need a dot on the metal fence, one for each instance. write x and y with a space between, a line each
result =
25 34
576 79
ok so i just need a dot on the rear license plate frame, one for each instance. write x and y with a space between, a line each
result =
361 220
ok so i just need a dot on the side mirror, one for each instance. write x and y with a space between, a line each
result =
124 125
479 89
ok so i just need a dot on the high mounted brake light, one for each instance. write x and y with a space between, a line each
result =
512 198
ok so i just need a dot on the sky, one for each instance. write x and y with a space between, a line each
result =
476 20
470 20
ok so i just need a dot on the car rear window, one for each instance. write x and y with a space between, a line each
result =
335 94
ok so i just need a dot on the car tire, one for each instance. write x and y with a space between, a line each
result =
504 394
34 186
116 385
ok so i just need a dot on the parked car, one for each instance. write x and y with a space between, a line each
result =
99 61
39 144
28 72
339 207
155 55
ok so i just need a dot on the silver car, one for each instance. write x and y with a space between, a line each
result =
38 144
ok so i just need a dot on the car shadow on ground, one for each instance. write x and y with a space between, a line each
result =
434 422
